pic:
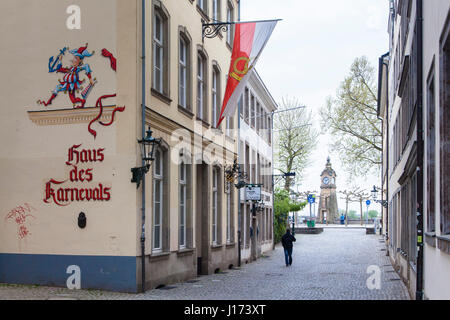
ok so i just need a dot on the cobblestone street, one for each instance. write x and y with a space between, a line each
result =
331 265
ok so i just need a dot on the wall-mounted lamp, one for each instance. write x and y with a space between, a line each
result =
147 145
374 192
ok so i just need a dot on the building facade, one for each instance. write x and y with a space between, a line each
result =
78 97
256 158
413 105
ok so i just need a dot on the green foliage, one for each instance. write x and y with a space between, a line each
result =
295 138
282 206
373 214
351 118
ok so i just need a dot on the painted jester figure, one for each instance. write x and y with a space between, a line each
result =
71 82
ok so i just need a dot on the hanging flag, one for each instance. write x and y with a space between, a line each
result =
250 39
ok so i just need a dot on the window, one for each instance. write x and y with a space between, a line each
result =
444 115
229 214
203 5
201 92
215 96
184 87
183 204
430 154
215 205
160 82
158 204
252 111
216 10
230 18
158 53
246 105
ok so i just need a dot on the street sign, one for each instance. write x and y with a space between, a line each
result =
253 193
311 198
368 202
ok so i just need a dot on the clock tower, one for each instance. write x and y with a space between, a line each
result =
328 207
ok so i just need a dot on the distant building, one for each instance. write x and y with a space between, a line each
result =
414 91
328 207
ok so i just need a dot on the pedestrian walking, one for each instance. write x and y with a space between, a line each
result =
287 242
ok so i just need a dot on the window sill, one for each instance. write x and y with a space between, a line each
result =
231 139
185 252
203 14
229 47
430 238
231 245
159 256
216 246
161 96
186 112
443 243
204 123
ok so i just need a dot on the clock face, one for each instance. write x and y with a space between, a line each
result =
326 180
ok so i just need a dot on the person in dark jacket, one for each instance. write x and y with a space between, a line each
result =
286 241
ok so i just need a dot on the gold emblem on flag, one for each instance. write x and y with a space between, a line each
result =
239 74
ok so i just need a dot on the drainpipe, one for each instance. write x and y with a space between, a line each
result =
143 136
381 64
239 163
420 149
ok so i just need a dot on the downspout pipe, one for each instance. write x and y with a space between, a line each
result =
239 163
382 63
420 149
143 136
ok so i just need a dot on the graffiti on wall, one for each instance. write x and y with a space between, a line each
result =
62 195
74 84
19 215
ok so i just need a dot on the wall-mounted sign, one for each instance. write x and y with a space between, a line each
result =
253 193
59 193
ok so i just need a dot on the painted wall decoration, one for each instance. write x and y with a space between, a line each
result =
73 84
19 215
62 195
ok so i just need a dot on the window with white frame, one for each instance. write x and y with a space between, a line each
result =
183 204
230 17
202 4
158 204
201 65
158 52
215 207
216 10
229 216
215 96
183 77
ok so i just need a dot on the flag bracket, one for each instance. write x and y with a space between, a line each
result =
212 30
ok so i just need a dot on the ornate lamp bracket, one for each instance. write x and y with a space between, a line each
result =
211 30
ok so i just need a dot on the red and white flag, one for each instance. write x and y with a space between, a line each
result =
250 39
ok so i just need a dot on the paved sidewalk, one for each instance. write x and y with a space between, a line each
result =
331 265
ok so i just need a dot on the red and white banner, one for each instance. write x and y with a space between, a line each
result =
250 39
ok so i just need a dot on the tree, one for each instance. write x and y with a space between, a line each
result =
282 206
373 214
351 118
296 139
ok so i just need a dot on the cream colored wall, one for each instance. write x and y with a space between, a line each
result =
31 154
184 13
436 262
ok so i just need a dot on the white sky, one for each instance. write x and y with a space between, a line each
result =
310 53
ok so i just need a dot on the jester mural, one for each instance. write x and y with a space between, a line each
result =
72 83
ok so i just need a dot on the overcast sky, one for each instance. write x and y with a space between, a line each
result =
310 53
